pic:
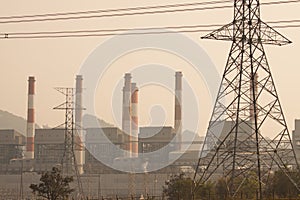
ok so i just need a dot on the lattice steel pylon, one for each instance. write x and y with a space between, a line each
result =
68 161
247 112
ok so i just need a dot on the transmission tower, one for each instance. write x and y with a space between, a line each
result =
68 161
247 137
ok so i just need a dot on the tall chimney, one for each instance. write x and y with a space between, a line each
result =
30 119
126 122
79 150
178 107
134 121
255 87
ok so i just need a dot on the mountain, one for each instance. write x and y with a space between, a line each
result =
90 121
11 121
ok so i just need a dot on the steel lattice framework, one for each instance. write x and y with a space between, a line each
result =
68 161
247 112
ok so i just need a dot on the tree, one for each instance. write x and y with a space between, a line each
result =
53 185
206 191
245 186
248 185
221 189
282 186
178 187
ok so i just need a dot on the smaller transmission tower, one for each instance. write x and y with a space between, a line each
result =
68 161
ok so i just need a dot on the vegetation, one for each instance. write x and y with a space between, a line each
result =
53 186
282 187
179 187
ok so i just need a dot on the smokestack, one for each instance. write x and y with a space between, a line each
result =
178 107
134 120
255 86
30 119
78 101
78 121
126 122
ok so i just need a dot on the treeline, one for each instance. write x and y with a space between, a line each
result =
280 187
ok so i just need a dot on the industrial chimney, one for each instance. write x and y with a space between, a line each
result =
30 119
79 150
255 87
134 121
126 115
178 107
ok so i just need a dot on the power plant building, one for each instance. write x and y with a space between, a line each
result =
296 139
152 139
44 148
12 144
102 144
49 148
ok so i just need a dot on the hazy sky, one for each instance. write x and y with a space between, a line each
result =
55 62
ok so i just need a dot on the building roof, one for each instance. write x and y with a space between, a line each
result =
49 136
11 136
96 135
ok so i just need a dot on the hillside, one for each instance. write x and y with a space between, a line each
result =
11 121
90 121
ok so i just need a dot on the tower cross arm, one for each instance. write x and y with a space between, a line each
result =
271 36
265 34
223 33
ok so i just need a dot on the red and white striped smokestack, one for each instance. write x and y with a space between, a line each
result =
30 119
178 109
134 147
78 121
126 117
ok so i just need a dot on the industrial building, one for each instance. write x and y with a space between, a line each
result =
296 139
191 149
11 145
48 148
98 148
152 139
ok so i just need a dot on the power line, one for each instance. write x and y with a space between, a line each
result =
284 21
115 15
287 26
116 10
23 19
6 36
108 32
280 2
153 30
114 30
97 34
